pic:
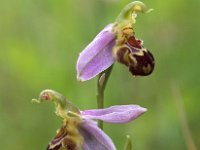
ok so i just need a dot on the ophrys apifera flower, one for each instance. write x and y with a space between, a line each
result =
117 42
79 129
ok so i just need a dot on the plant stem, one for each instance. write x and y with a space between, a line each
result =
101 85
183 118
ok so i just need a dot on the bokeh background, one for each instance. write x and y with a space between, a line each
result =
39 45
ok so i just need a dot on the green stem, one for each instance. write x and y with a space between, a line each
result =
183 117
101 85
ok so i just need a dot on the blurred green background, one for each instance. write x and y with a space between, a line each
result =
39 45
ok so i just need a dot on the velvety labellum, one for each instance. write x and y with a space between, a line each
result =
64 139
139 60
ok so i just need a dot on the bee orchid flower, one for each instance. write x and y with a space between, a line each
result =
79 129
117 42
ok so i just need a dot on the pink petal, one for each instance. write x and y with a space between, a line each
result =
115 114
94 137
97 56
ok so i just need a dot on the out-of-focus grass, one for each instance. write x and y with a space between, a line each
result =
39 45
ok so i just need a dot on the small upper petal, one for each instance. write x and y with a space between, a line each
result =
115 114
97 56
94 137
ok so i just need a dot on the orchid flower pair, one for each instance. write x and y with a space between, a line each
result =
79 130
117 42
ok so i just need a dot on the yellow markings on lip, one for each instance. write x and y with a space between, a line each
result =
134 61
147 69
140 52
